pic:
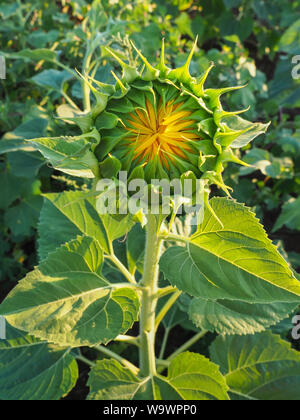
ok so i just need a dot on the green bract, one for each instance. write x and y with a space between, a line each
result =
154 123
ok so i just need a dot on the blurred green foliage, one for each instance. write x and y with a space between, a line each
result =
252 43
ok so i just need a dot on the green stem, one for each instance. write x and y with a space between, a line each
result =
188 344
70 101
128 339
149 299
85 360
175 238
72 72
120 359
85 88
166 291
163 363
166 308
122 268
164 343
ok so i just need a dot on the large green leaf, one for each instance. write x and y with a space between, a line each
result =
14 141
284 90
11 189
8 10
136 248
237 123
67 301
290 215
34 55
191 377
229 317
259 367
289 41
34 370
237 262
24 164
7 146
35 127
264 161
53 79
24 216
40 38
70 155
68 214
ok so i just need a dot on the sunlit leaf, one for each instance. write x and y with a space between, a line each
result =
237 262
241 318
67 301
260 367
34 370
191 377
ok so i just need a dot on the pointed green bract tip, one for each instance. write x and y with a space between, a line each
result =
198 87
151 72
182 74
130 73
163 69
101 98
119 83
214 95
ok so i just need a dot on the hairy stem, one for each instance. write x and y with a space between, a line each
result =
166 308
69 100
85 360
163 363
164 343
174 237
120 359
128 339
122 268
165 291
85 88
149 299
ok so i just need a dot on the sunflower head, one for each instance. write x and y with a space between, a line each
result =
158 123
157 131
155 123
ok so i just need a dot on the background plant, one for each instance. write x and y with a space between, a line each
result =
257 49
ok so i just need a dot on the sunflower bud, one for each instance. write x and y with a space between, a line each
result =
161 123
155 123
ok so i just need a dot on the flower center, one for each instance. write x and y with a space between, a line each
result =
166 132
161 129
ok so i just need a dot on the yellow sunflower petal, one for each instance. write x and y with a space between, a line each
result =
164 131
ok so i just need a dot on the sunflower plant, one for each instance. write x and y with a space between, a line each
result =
91 287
